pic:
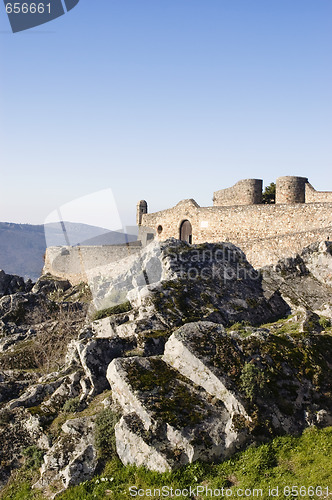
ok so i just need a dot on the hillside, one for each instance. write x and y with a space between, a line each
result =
302 463
200 373
22 247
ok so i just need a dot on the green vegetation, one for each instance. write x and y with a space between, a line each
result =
155 334
271 367
286 461
104 313
253 381
33 457
71 405
105 438
269 194
325 322
288 325
300 461
20 484
180 301
72 409
243 328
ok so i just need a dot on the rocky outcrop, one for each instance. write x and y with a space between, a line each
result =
94 355
35 325
187 352
49 284
212 283
305 281
10 284
176 420
72 459
173 282
187 364
212 391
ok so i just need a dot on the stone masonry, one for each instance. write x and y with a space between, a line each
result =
265 232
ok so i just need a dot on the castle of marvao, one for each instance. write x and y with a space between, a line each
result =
265 232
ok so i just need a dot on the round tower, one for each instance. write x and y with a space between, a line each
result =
290 189
244 192
141 208
254 193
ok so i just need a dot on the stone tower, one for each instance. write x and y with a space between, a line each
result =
244 192
141 208
290 189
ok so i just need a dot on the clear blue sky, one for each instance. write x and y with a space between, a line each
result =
163 100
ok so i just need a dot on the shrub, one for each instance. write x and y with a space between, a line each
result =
324 322
253 381
104 434
72 405
33 457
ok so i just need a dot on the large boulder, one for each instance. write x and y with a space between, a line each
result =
304 281
167 416
172 283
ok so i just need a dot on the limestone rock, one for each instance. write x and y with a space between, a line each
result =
73 457
173 419
191 350
10 284
318 260
96 354
305 281
48 284
137 446
211 282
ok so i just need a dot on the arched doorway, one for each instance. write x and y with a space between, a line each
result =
186 231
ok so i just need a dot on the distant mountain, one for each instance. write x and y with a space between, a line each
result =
22 246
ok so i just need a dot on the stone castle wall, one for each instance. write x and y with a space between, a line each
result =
263 252
244 192
267 232
73 263
289 190
313 196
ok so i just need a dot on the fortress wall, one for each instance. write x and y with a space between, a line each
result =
244 192
265 232
240 223
72 263
268 251
313 196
